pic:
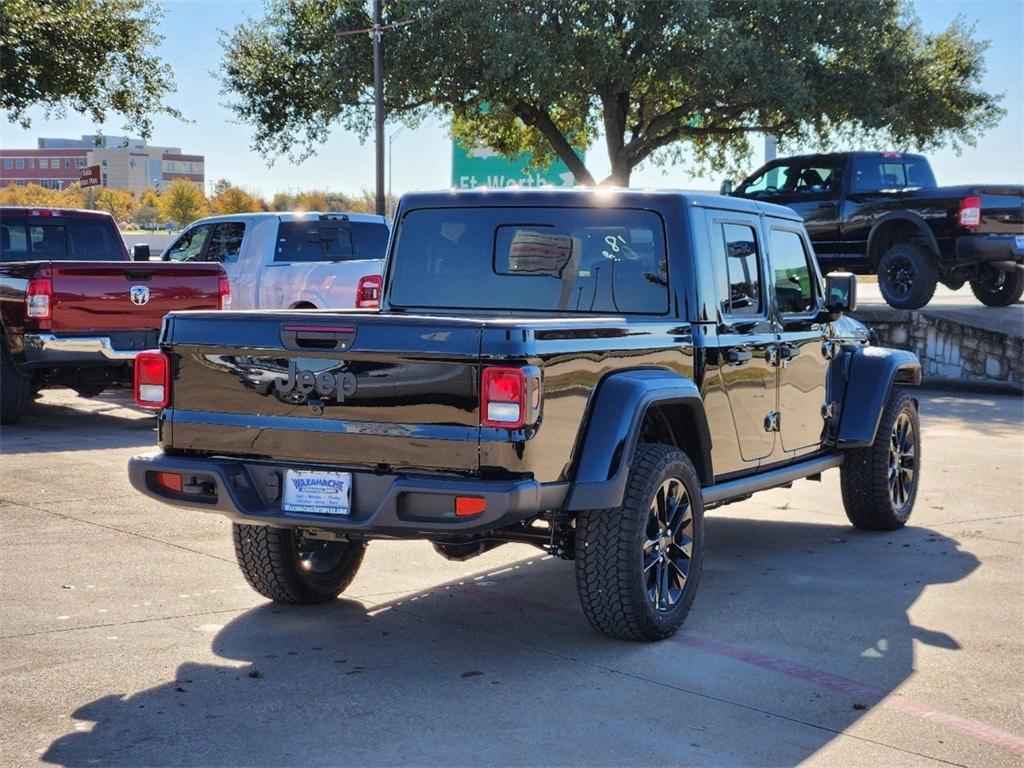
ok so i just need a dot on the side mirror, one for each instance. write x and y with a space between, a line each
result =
726 187
140 252
840 294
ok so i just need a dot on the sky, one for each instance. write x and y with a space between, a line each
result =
421 158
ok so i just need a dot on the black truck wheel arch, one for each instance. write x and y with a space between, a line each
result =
613 430
870 373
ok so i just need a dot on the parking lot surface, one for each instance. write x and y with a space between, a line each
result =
130 637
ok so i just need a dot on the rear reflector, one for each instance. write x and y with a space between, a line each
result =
468 506
969 214
368 292
152 379
169 480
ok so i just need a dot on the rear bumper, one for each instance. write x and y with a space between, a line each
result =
388 505
984 249
49 349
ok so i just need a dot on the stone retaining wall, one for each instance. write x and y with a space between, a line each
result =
951 351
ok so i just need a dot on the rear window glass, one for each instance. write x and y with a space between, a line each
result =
556 259
330 240
24 238
871 174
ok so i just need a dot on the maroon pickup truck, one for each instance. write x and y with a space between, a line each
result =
75 308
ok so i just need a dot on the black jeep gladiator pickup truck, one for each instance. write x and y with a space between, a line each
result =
586 371
882 212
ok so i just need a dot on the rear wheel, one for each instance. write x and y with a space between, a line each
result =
996 288
879 482
287 567
15 389
638 565
907 276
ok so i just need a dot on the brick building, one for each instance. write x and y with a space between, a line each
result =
124 163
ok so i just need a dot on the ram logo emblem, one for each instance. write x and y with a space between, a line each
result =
139 295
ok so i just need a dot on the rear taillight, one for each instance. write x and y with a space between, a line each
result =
152 379
38 298
368 292
509 397
969 214
224 290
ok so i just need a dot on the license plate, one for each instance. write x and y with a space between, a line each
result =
319 493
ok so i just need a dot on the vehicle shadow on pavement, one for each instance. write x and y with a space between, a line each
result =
68 422
798 630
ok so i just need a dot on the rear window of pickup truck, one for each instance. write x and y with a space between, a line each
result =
24 239
576 260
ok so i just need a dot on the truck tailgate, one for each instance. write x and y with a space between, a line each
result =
1002 210
340 388
98 296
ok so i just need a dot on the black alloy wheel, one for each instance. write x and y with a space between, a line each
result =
907 276
902 463
668 549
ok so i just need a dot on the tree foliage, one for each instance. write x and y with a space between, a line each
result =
231 199
90 56
183 202
650 77
119 203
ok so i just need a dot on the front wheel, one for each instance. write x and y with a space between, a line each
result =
638 565
907 276
996 288
287 567
879 482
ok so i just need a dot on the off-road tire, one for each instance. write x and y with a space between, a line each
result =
15 389
610 551
865 473
991 294
270 562
907 276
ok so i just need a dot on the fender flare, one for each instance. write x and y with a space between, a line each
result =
903 216
612 431
870 375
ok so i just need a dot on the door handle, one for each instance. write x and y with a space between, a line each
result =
738 356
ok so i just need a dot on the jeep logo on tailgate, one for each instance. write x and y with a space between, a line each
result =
326 384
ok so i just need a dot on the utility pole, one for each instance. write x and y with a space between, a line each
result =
378 100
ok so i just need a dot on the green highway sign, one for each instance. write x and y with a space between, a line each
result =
483 167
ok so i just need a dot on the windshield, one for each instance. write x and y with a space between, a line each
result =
578 260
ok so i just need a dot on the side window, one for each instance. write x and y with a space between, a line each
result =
189 246
737 251
225 241
817 178
313 240
777 179
794 277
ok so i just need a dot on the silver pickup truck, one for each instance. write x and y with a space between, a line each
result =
291 260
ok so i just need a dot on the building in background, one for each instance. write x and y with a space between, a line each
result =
124 163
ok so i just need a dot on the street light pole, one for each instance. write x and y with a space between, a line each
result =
391 140
378 99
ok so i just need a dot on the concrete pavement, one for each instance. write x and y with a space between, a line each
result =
130 637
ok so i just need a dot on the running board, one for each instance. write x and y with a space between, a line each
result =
720 493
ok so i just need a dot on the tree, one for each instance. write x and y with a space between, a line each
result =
651 77
119 203
87 55
147 216
149 198
182 202
231 199
32 195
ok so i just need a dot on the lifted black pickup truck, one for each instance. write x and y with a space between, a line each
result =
882 212
583 371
